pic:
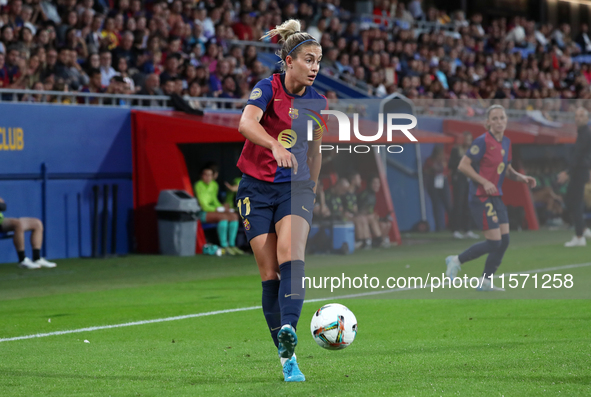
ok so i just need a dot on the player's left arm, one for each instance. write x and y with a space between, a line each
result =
516 176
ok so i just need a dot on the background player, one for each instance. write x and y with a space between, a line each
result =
276 193
578 175
486 163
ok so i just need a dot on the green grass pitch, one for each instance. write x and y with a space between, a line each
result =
521 342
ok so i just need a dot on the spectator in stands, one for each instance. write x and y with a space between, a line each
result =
460 220
194 92
94 86
125 50
171 68
107 71
19 226
206 191
93 37
243 29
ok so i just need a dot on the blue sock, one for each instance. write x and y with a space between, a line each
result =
223 233
479 249
291 292
496 257
271 308
232 232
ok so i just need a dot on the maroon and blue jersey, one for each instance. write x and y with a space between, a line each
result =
490 159
285 118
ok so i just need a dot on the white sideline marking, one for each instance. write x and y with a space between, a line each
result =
244 309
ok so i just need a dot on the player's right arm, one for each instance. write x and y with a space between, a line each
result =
466 168
252 130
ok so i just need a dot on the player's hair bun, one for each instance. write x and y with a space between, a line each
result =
286 29
292 37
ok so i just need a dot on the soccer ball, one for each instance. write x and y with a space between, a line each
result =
334 327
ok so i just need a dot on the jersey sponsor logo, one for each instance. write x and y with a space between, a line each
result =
500 168
474 150
293 113
246 224
287 138
255 94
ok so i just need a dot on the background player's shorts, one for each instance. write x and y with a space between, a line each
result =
262 204
488 212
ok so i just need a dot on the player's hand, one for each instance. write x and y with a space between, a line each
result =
562 177
285 158
489 188
531 182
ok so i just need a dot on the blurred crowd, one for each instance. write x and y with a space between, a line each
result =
187 47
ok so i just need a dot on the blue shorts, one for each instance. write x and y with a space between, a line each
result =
262 204
488 212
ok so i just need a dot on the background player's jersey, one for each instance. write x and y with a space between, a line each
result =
490 159
285 118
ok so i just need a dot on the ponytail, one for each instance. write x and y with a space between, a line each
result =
292 38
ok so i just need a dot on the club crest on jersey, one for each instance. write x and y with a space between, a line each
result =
474 150
293 113
495 219
246 224
287 138
503 152
500 168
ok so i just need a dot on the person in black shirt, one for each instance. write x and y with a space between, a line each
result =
578 176
461 219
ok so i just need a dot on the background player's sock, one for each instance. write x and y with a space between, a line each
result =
271 308
493 261
223 233
479 249
503 249
291 292
36 255
232 232
21 255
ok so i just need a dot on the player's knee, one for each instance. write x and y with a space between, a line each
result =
493 245
284 252
18 227
38 225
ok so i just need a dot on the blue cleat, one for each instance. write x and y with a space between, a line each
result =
453 266
288 340
292 372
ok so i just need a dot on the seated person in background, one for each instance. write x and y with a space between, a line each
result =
367 203
206 191
232 190
19 227
334 200
362 232
321 210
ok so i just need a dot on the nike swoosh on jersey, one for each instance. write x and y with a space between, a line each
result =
304 208
287 296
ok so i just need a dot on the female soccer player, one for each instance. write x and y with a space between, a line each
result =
276 194
486 164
